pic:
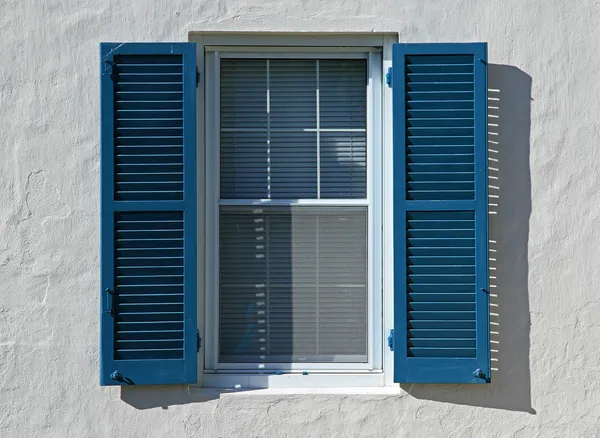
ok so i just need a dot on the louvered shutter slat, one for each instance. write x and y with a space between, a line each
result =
440 213
148 213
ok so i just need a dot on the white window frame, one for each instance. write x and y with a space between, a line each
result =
377 50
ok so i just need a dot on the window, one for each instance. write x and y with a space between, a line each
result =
294 215
268 217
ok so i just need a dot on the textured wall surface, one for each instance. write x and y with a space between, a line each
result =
544 66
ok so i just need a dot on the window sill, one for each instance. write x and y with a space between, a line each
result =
296 383
223 392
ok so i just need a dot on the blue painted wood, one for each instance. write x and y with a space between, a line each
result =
400 218
106 217
148 213
190 212
481 212
440 213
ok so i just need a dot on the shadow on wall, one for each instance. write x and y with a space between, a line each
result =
149 397
509 105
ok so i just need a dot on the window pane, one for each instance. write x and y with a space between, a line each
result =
293 284
293 93
244 165
342 91
293 128
343 165
244 94
293 172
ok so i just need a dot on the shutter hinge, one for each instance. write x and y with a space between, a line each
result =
111 301
109 69
481 375
198 341
118 377
390 340
483 61
388 77
197 77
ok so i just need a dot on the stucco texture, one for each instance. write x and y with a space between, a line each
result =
544 65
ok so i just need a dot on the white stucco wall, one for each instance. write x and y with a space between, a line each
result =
544 62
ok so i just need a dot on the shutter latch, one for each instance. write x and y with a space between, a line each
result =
197 77
198 341
388 77
481 375
390 340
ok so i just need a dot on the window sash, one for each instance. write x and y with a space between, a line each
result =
306 132
274 260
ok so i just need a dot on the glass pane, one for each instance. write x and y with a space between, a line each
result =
293 284
293 128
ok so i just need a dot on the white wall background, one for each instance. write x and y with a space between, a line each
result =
546 68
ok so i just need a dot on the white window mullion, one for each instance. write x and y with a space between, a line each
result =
293 129
268 128
293 202
318 136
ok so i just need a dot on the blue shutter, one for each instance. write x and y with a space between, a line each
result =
148 221
440 213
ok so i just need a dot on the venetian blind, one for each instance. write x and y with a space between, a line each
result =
293 279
